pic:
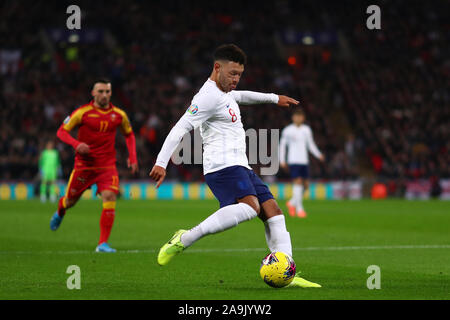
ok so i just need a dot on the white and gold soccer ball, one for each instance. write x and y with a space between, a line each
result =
277 269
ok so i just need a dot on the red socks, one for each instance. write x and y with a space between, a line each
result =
107 220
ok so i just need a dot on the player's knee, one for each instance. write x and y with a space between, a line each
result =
108 196
270 212
255 206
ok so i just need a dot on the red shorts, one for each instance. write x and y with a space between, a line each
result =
81 179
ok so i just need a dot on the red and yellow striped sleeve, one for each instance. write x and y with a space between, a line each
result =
75 118
125 126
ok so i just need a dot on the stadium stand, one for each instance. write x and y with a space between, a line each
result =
377 100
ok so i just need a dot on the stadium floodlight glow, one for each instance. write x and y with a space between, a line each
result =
73 38
308 40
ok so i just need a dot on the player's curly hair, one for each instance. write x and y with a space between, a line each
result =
230 52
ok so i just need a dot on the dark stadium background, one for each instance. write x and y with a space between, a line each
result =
377 100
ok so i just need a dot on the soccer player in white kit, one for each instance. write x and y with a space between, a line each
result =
241 193
298 138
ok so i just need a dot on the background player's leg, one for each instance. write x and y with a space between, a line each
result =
277 236
53 191
291 203
298 191
107 216
65 203
108 185
305 185
223 219
43 190
302 212
78 182
292 200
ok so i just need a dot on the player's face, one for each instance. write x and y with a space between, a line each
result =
102 94
229 75
298 119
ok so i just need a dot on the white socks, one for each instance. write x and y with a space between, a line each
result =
297 196
277 237
223 219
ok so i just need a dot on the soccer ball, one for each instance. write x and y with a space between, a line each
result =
277 269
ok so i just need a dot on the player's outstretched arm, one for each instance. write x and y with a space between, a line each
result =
244 97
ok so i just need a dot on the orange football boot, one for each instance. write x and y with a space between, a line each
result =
301 214
291 209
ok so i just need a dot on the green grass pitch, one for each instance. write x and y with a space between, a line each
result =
408 240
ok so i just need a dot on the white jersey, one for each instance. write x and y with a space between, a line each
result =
218 115
298 140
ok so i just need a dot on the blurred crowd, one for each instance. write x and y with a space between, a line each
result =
377 100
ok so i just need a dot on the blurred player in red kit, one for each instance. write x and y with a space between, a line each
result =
95 159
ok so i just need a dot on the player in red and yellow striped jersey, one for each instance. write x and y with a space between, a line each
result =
95 158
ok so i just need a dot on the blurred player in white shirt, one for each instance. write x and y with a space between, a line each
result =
298 138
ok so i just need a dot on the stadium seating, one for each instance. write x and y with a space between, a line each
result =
377 101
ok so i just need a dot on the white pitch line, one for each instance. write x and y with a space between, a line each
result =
342 248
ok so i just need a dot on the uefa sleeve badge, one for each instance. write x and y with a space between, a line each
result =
193 109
